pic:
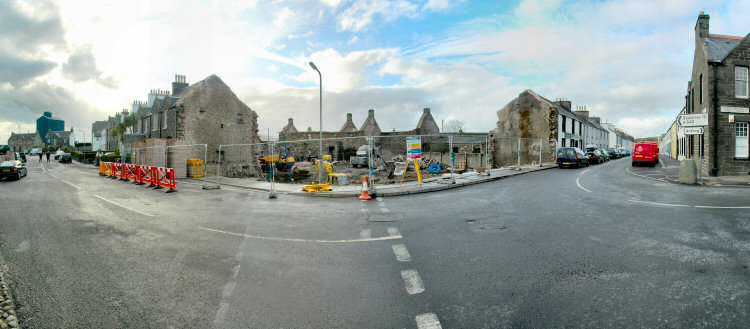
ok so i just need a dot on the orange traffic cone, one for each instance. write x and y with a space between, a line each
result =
365 191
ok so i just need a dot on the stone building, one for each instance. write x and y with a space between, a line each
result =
594 134
25 142
719 88
60 139
47 123
99 135
206 112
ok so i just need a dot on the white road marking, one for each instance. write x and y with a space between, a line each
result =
270 238
428 321
581 174
402 254
228 289
51 175
66 182
365 233
380 199
117 204
661 204
412 281
364 210
639 175
595 238
235 271
384 209
578 182
721 207
221 313
392 231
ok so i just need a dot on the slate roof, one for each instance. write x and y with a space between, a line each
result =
561 109
719 46
97 127
60 134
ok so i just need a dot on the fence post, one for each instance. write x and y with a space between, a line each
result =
519 154
541 141
218 170
272 169
369 161
450 146
205 163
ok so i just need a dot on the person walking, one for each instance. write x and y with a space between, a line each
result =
48 157
40 157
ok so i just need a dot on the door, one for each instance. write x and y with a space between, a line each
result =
740 140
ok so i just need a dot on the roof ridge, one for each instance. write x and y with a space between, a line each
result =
723 36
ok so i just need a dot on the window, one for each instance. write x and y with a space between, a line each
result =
563 126
573 128
692 100
740 82
165 119
154 121
740 140
700 89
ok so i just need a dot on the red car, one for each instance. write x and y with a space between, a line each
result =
645 153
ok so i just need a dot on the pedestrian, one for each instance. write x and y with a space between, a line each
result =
40 157
47 156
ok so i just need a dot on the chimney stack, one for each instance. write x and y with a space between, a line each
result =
180 83
701 27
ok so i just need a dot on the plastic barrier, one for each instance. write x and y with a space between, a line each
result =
156 177
130 172
164 177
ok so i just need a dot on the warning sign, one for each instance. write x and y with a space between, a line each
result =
413 148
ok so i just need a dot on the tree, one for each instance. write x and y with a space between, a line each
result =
453 126
126 126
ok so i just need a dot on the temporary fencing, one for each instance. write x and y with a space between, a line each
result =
157 177
514 151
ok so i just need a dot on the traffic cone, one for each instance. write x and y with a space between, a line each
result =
365 191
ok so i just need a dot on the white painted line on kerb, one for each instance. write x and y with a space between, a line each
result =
117 204
661 204
365 233
66 182
412 281
392 231
578 182
428 321
402 254
270 238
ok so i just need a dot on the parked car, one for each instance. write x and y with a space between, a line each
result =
612 154
595 156
12 169
605 155
58 154
571 157
66 158
624 152
645 153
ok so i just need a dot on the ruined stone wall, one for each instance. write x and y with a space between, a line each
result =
525 124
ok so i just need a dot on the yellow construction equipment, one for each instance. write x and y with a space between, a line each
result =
195 167
316 187
341 179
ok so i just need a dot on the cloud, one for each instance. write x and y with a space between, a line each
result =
33 24
18 72
362 12
81 67
342 73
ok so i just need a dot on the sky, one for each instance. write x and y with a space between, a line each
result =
627 61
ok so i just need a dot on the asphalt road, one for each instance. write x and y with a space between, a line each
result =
603 246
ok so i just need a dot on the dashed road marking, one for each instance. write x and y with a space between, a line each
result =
71 184
721 207
380 199
128 208
402 254
270 238
689 206
221 313
384 209
392 231
228 289
412 281
428 321
364 210
365 233
578 182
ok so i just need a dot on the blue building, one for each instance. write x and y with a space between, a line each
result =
47 123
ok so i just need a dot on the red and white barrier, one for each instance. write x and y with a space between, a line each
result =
156 177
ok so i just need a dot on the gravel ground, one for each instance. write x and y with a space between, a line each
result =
9 319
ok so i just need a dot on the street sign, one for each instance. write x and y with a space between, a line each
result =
413 147
693 120
693 130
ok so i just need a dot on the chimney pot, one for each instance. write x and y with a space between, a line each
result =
348 117
426 110
371 113
291 120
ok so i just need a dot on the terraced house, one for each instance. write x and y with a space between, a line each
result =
719 88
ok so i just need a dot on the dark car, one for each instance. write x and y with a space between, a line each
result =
571 157
66 158
595 156
13 169
613 154
21 156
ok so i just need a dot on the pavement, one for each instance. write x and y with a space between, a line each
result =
355 189
671 168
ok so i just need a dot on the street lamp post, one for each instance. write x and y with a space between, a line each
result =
320 167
